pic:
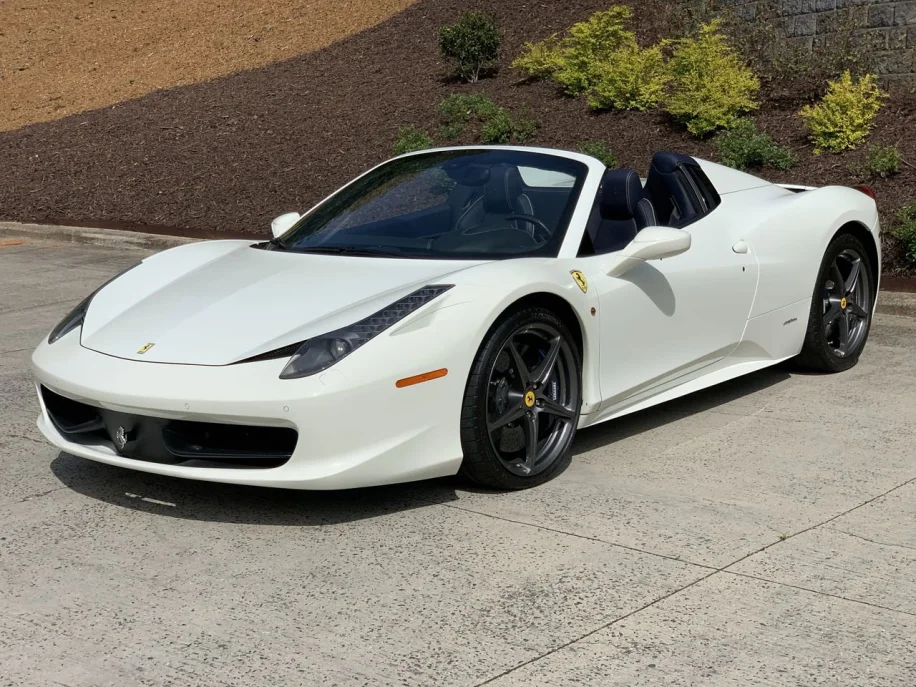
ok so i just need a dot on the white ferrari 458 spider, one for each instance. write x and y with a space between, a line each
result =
460 310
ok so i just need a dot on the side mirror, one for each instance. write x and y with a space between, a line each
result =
283 223
652 243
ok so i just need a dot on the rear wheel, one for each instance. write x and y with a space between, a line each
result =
522 402
840 317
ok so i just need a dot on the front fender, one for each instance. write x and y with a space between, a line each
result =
483 294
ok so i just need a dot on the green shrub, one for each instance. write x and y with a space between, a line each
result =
411 139
904 228
710 85
845 115
590 43
472 44
502 127
498 125
743 146
540 60
631 79
572 59
458 109
882 161
601 151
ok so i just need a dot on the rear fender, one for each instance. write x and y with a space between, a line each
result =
790 240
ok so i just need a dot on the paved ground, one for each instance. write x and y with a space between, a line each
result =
763 533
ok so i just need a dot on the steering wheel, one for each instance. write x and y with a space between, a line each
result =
545 232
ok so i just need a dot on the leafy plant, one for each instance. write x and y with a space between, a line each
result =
631 79
601 151
882 161
743 146
502 127
411 139
458 109
571 61
904 228
472 44
498 125
540 60
845 115
710 85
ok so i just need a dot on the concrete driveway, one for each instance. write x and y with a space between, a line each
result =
760 533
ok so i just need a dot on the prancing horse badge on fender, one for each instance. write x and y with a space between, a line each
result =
580 279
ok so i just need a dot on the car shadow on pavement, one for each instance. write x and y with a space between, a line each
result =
706 400
231 503
214 502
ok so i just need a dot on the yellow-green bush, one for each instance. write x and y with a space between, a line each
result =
540 60
710 85
845 115
632 79
571 60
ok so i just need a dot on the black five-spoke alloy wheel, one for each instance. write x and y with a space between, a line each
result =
522 402
841 307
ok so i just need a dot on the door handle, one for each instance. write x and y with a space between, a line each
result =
741 247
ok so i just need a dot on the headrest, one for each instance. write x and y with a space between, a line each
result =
469 175
502 189
620 194
666 162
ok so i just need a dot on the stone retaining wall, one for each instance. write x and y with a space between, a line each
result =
888 28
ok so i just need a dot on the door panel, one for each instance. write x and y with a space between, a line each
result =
668 318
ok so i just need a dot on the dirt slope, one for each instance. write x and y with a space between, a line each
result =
58 57
231 153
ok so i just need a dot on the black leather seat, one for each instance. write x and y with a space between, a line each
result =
503 194
624 210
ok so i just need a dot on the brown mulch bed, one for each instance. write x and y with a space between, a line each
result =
59 57
230 154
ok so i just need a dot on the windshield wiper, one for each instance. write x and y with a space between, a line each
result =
351 250
277 244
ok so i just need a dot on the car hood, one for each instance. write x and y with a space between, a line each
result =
216 303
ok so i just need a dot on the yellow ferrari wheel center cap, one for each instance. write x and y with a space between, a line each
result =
529 399
843 303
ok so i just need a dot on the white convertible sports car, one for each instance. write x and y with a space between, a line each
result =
460 310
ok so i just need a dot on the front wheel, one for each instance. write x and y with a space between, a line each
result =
840 317
522 402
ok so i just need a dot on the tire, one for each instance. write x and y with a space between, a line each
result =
833 304
504 407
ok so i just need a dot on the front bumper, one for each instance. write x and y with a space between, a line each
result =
355 428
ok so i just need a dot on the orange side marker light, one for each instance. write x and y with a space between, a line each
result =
419 379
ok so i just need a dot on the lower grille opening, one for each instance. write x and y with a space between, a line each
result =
228 442
72 417
174 442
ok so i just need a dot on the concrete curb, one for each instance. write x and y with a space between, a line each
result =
96 237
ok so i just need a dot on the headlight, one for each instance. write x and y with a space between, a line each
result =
318 354
75 317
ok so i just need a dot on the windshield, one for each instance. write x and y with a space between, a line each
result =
453 204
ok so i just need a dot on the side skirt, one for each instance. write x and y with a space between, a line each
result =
768 340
